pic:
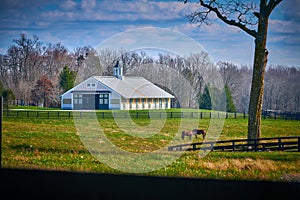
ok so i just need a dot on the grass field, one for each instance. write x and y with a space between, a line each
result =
53 144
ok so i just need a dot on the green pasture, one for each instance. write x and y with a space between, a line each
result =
54 144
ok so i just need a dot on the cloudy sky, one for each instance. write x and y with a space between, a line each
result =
77 23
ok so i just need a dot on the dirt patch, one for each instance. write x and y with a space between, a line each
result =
251 164
237 164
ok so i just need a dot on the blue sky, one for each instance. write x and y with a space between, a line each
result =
76 23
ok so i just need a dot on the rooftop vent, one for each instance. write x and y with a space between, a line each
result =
118 71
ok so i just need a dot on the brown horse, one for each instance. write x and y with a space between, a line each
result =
188 133
200 132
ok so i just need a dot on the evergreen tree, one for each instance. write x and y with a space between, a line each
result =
67 79
7 94
205 100
230 107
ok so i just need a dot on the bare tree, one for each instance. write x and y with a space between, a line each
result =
108 59
245 16
282 89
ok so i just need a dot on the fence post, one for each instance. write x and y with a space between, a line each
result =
194 147
255 145
280 147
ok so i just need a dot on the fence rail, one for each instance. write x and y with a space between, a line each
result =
281 115
289 143
117 114
61 114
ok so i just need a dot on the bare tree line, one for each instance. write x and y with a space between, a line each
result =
28 59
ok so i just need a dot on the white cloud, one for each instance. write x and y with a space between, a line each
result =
88 5
282 26
68 5
86 22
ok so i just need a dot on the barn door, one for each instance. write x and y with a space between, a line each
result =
103 101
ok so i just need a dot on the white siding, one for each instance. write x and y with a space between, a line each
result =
115 101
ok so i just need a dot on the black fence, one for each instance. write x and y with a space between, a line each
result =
289 143
281 115
64 114
60 114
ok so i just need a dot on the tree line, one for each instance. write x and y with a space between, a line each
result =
38 73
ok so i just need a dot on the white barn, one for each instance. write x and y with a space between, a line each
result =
116 92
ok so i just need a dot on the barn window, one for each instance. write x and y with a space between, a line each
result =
115 101
90 85
130 103
149 103
136 103
166 103
67 101
77 98
160 103
143 103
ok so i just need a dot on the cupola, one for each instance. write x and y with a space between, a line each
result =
118 71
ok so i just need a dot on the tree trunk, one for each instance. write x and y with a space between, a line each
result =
259 68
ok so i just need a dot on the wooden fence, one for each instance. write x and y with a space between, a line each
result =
289 143
281 115
61 114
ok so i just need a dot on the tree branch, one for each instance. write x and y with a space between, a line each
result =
227 21
271 5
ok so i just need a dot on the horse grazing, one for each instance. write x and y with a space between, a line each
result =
200 132
188 133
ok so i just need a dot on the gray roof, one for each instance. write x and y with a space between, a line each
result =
133 87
